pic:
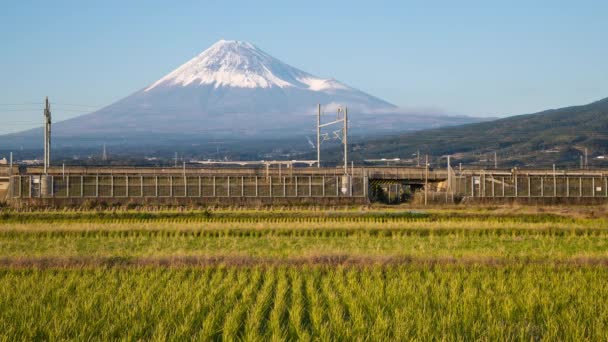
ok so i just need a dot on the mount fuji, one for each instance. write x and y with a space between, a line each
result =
234 89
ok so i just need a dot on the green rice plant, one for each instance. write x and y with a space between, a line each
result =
257 320
225 287
347 285
318 312
299 312
233 321
278 320
338 315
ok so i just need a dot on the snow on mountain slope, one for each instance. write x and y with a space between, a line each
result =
242 65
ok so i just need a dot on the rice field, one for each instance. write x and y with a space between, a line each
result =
303 275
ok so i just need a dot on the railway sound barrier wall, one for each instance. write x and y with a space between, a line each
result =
530 186
188 186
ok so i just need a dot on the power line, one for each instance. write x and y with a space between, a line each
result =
22 121
54 104
74 105
69 110
37 109
21 104
18 110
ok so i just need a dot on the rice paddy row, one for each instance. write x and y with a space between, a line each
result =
290 216
381 303
481 237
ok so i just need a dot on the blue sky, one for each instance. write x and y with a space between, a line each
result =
482 58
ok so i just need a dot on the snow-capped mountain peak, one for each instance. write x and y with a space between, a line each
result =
233 89
237 64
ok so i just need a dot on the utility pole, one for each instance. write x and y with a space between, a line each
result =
319 135
104 155
345 140
582 167
10 175
586 160
175 161
418 158
495 161
426 179
555 182
449 187
47 135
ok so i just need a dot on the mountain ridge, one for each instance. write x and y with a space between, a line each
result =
557 136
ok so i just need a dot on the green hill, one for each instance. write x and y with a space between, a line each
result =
557 136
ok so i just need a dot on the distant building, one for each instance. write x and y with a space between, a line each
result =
31 161
3 161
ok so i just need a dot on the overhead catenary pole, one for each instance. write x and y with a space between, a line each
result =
10 175
47 135
48 153
343 137
345 140
554 182
44 157
449 186
104 155
449 176
318 135
426 178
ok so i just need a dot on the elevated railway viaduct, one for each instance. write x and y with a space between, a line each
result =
296 185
